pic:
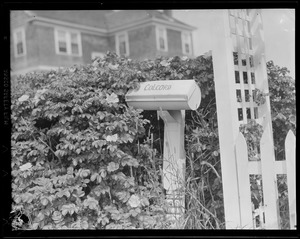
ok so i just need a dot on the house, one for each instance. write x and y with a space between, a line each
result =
44 40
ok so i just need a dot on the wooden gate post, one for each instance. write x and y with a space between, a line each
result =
239 69
227 116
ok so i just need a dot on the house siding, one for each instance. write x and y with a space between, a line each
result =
174 42
92 43
18 18
142 43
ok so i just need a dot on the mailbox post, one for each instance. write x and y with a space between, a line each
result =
170 98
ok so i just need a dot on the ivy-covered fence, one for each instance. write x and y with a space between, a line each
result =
83 159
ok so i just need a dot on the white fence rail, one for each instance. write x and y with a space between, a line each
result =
268 168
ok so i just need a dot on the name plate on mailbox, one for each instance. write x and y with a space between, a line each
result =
165 95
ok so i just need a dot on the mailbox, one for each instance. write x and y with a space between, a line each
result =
165 95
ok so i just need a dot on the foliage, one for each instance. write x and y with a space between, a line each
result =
283 105
259 97
78 160
283 110
252 132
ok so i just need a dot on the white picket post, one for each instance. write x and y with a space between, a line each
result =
269 179
227 113
243 183
290 154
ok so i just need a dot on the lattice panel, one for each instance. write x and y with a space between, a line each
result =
242 50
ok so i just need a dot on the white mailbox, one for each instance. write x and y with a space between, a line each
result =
165 95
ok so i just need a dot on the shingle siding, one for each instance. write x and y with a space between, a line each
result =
92 43
174 42
142 42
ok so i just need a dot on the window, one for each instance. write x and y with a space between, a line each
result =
240 114
122 44
239 95
237 77
235 58
19 42
252 78
248 112
247 96
67 42
186 43
245 77
161 39
96 54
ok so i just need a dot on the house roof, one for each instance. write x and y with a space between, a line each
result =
92 18
120 18
106 19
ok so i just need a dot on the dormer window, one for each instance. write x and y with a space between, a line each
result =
67 42
122 44
186 43
19 42
161 39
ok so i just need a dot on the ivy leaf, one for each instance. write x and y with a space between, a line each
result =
84 225
164 63
94 176
25 166
57 217
112 167
111 99
134 201
23 98
91 203
44 201
35 226
112 138
292 119
113 67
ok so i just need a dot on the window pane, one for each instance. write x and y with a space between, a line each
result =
250 43
248 113
240 114
62 46
161 43
245 77
122 48
161 32
251 61
253 95
187 48
235 58
255 113
19 36
247 96
74 37
239 95
61 35
252 78
244 62
122 45
19 48
237 77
